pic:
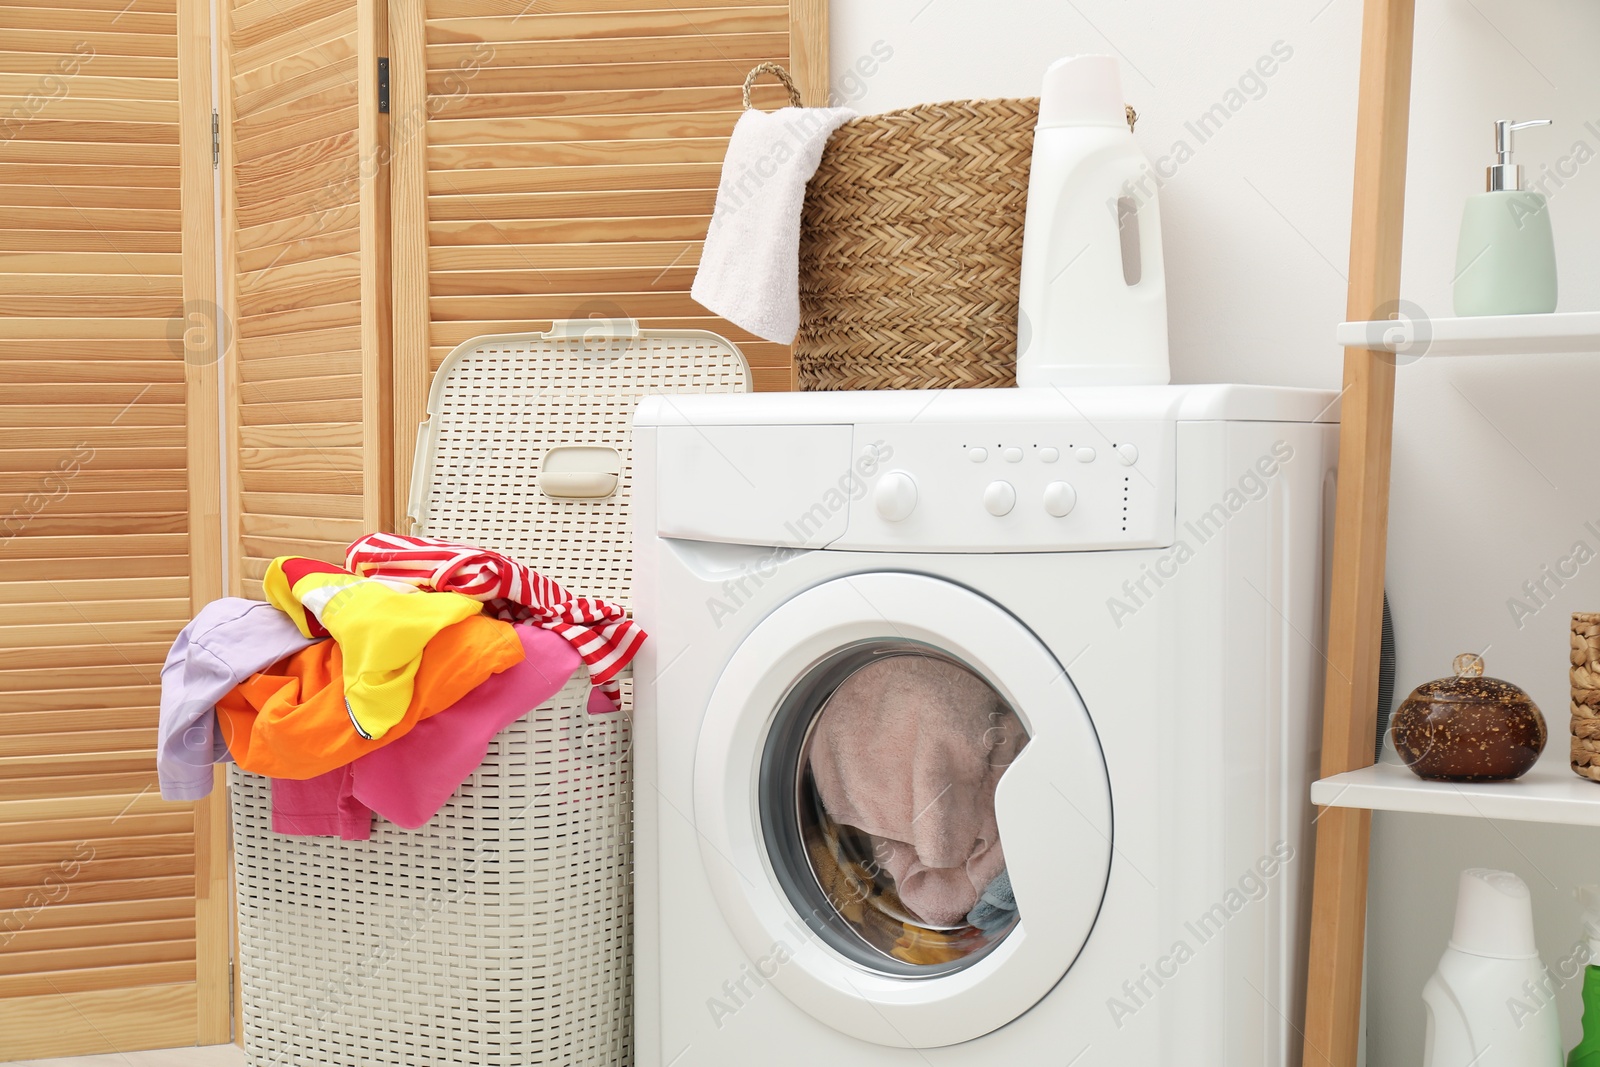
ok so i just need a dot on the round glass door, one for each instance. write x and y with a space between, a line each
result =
878 791
898 791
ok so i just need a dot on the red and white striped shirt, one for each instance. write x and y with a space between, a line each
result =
603 635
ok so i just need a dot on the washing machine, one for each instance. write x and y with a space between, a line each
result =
976 727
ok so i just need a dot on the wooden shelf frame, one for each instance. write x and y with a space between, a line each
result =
1355 622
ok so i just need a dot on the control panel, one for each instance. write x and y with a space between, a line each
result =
1011 488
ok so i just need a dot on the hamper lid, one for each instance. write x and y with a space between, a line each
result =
527 448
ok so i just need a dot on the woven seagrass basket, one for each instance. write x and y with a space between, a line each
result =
1586 695
911 248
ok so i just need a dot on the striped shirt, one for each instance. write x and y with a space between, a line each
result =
600 631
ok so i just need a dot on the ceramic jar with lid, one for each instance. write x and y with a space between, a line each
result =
1469 728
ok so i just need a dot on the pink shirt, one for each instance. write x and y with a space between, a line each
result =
409 781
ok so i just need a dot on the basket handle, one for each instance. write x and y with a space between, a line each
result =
783 76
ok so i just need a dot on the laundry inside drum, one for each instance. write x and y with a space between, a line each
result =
895 789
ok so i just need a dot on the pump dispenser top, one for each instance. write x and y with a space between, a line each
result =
1505 174
1093 308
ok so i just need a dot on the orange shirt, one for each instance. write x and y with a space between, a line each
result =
290 720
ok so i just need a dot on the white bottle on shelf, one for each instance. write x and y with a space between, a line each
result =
1094 293
1480 1010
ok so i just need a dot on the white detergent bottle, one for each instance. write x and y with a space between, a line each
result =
1489 1003
1094 292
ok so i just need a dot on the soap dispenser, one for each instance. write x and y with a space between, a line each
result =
1485 973
1506 261
1093 307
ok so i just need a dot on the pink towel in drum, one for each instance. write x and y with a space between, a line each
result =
909 749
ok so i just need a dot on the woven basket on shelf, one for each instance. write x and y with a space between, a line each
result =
911 249
1586 695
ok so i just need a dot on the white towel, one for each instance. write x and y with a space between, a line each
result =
750 268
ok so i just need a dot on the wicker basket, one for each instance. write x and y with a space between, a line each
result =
911 249
1586 695
500 934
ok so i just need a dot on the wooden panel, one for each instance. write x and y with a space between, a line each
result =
109 522
132 1017
1339 896
562 161
305 234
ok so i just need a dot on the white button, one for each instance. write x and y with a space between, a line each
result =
1128 454
896 496
999 498
1059 499
1049 455
977 455
1012 455
1085 454
869 454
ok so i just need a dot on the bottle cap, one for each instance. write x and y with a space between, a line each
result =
1082 91
1494 916
1589 898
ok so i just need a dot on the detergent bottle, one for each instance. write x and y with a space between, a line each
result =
1587 1054
1477 1001
1093 307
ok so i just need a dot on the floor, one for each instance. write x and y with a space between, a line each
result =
210 1056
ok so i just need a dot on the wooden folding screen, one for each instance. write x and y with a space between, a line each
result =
306 270
560 160
114 919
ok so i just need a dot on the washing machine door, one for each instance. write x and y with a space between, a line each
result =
881 752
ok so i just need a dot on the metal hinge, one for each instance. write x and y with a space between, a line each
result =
216 141
383 85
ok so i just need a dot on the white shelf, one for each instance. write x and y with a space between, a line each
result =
1490 335
1548 793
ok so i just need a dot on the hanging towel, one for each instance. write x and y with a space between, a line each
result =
750 266
409 781
229 640
601 632
289 720
382 628
909 749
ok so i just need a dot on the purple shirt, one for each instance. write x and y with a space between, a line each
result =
229 640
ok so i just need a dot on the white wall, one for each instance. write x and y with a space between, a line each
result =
1497 461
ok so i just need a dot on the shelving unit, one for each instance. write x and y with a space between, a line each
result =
1550 792
1375 343
1490 335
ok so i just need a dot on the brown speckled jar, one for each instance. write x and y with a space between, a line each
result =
1469 728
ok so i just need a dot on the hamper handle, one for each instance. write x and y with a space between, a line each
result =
795 99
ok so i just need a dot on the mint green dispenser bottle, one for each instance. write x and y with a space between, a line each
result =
1587 1054
1506 261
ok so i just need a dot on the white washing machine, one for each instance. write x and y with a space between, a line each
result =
1050 655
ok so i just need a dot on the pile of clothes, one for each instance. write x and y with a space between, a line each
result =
376 687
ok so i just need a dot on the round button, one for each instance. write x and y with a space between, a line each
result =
896 496
1059 499
1128 454
977 455
999 498
1049 455
1012 455
1084 454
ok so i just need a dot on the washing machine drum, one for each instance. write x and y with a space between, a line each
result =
903 809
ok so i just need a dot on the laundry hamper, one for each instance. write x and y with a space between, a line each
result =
500 933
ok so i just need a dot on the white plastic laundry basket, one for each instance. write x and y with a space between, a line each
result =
499 934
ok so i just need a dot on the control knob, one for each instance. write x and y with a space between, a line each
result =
896 496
